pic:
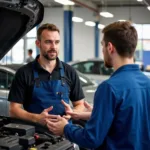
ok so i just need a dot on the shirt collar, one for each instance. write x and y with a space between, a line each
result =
133 67
58 63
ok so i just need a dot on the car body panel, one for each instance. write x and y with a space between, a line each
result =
17 17
147 74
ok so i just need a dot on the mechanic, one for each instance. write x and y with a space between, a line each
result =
120 118
39 86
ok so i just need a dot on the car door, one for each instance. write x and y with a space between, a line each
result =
5 83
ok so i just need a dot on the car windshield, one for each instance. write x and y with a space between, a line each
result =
84 80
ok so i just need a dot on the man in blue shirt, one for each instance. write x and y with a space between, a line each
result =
120 119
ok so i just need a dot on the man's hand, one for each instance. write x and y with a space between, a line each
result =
56 124
85 115
67 108
79 115
88 107
42 117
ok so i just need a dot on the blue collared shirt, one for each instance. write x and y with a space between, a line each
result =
120 118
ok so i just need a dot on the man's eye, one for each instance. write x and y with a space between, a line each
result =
57 42
47 41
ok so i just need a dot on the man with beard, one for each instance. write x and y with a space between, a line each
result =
120 119
41 85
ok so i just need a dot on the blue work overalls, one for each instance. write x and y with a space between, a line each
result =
49 93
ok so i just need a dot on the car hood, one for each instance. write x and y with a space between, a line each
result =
17 17
89 92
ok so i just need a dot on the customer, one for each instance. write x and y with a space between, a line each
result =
120 119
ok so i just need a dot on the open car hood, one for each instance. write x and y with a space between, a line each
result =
17 17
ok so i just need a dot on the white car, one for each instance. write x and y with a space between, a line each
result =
147 74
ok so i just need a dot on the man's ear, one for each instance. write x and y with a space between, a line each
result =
111 48
37 42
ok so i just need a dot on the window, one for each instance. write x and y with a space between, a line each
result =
31 45
32 33
18 52
84 67
139 29
146 31
5 79
143 40
146 45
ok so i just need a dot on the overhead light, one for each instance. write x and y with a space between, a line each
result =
77 19
148 7
90 23
121 20
106 14
65 2
101 26
139 0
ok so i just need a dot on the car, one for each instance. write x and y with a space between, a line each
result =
147 74
93 68
7 73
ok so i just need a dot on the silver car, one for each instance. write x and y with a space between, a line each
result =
7 73
92 68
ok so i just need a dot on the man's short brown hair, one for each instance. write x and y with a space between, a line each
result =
123 36
47 26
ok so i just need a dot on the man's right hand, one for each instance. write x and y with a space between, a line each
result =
44 115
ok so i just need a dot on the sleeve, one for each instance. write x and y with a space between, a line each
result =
96 129
76 92
18 87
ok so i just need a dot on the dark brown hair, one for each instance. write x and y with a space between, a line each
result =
30 51
123 36
47 26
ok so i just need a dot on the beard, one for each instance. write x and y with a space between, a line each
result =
108 64
50 55
108 61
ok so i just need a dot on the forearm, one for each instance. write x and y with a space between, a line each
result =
23 114
85 115
79 107
73 132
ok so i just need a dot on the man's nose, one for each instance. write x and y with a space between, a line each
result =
53 45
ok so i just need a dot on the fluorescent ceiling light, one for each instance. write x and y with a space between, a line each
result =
65 2
77 19
148 7
101 26
106 14
139 0
90 23
121 20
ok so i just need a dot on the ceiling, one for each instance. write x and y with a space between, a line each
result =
100 3
118 3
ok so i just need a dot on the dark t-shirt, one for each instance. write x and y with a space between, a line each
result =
23 83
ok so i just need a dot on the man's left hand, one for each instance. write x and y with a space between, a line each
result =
56 125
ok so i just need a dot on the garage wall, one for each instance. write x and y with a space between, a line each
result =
83 36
